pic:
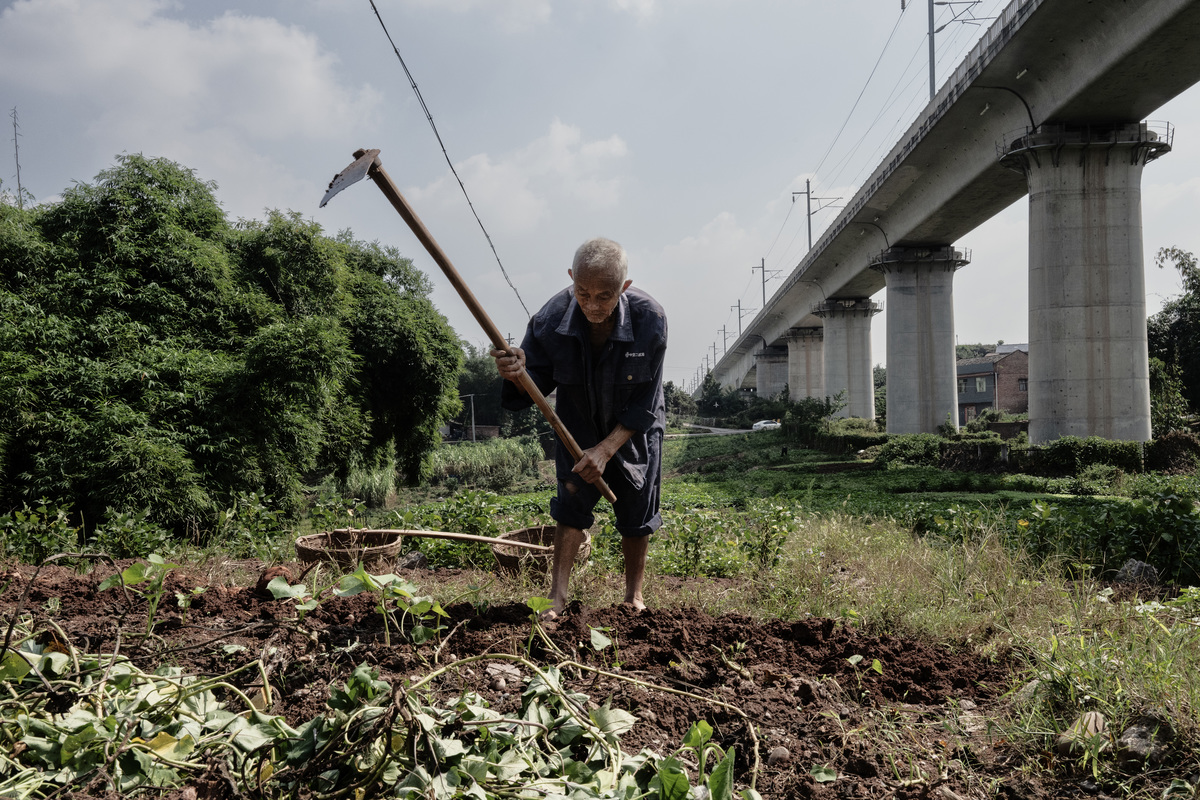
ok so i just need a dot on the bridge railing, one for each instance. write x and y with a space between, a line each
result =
997 35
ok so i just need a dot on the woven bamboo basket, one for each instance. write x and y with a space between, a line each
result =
377 550
514 559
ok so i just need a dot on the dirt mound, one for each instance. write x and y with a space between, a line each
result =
818 708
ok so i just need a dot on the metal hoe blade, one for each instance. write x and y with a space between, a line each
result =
350 175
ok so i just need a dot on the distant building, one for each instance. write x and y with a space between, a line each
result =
998 380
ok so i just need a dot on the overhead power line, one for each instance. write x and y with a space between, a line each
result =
861 92
446 155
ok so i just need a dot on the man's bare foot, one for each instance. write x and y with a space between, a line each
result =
556 610
637 603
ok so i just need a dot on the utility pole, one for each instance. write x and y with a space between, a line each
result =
763 267
932 81
17 159
741 314
472 413
724 341
808 201
714 353
954 17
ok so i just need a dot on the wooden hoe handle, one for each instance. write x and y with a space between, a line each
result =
385 184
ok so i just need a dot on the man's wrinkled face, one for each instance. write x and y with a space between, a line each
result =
597 292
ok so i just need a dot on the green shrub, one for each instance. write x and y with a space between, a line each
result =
1020 482
695 542
493 464
153 355
919 449
1070 455
1174 452
252 525
975 452
125 534
1098 479
1147 485
1095 536
478 513
31 535
1162 529
850 425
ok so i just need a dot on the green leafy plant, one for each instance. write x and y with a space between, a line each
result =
280 589
33 534
153 572
601 641
671 779
875 666
185 599
129 534
391 592
769 524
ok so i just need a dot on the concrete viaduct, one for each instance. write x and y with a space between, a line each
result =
1051 103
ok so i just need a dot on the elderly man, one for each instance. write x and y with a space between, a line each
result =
601 344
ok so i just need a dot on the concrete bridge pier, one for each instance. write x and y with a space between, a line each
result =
1088 365
772 371
847 362
806 376
921 389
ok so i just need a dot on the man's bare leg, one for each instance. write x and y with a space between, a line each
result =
567 541
634 548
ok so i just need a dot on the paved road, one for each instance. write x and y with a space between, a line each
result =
707 430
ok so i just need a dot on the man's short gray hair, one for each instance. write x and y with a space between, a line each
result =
601 255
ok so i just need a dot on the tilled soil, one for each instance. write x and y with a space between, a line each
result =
893 717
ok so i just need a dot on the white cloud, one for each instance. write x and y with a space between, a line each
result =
639 8
238 98
513 15
520 191
256 77
693 277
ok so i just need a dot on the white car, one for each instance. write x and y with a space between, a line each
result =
765 425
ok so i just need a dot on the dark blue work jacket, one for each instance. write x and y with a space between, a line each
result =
623 383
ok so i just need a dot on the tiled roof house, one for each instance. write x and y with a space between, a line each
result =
997 380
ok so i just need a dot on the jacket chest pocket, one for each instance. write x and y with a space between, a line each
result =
632 370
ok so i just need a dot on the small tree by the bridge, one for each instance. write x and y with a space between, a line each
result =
716 401
1174 332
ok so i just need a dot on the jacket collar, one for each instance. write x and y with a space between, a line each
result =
573 322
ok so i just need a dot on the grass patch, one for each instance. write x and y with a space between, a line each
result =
996 565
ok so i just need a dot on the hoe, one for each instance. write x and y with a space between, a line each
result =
367 164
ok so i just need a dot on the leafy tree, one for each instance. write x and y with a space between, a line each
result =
716 401
879 376
1168 409
973 350
679 402
154 356
710 395
1174 332
479 377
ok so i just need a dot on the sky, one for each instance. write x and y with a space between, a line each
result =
683 129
